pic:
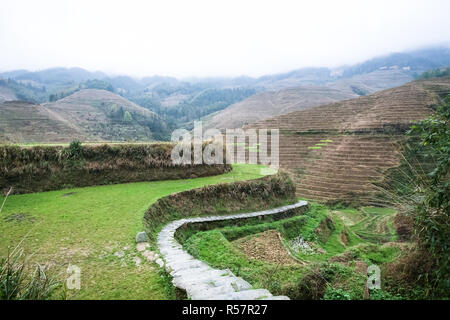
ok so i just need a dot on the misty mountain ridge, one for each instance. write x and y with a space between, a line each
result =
222 102
413 62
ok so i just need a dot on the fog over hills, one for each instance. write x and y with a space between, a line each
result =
339 84
220 102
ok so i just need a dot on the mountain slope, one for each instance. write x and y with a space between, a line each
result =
371 82
6 94
334 152
176 100
267 104
27 122
88 115
273 103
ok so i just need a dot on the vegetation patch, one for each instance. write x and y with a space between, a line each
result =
19 217
213 247
331 269
265 246
420 188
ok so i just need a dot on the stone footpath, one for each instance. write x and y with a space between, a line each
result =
200 281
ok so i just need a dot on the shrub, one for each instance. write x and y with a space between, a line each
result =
378 294
420 188
312 285
435 73
328 281
336 294
75 150
127 117
432 214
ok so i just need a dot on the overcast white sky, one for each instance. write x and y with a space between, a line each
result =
212 38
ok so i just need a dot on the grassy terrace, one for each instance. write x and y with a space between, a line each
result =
94 228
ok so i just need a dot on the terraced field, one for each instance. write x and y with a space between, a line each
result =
87 115
368 223
279 255
335 152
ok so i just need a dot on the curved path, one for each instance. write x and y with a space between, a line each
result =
199 280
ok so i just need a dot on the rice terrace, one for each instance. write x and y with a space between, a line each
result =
320 183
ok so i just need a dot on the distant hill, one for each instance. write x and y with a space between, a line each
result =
267 104
7 94
271 103
57 76
367 83
304 76
26 122
27 91
334 152
87 115
416 62
412 63
311 87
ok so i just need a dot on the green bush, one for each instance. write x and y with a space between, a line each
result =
420 188
378 294
336 294
432 213
331 281
127 117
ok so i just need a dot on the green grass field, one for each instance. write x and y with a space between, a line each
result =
94 228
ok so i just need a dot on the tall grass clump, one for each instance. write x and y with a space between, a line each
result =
16 283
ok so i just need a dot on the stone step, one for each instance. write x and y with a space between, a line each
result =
199 280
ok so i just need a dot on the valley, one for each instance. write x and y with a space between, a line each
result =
172 103
210 157
88 170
